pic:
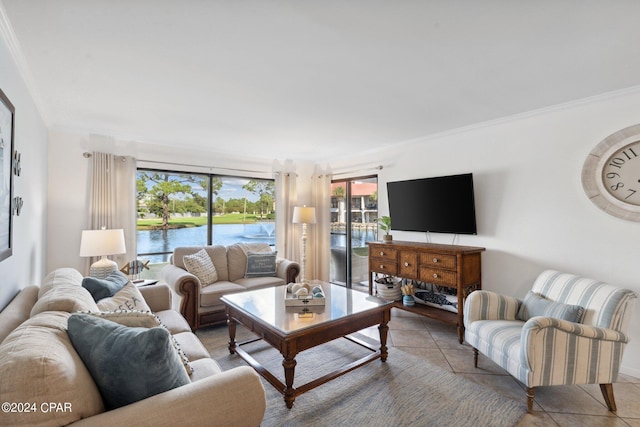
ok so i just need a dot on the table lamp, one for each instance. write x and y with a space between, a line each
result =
102 243
304 215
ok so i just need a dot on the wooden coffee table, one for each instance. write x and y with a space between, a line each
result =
291 330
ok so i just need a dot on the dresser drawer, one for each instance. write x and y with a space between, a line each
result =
383 252
434 260
438 277
408 267
383 265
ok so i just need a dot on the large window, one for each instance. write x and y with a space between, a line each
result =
179 209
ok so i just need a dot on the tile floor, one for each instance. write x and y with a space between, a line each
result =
554 406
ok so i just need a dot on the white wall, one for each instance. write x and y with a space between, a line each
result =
26 265
532 212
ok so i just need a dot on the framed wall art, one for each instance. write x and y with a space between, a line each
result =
7 112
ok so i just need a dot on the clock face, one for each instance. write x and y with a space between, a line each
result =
611 174
621 174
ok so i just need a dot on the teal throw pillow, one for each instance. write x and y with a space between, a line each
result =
107 287
261 264
536 305
127 364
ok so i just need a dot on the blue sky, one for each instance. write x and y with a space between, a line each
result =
231 189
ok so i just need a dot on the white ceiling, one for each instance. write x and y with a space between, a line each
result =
309 80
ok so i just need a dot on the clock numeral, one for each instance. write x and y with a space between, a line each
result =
617 162
612 175
617 186
627 151
632 193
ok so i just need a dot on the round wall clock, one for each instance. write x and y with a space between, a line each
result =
611 174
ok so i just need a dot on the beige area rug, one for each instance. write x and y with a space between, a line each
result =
404 391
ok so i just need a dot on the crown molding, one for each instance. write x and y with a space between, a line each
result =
569 105
9 36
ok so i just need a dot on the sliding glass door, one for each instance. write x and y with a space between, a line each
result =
354 211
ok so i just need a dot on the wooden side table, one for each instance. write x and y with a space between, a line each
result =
144 282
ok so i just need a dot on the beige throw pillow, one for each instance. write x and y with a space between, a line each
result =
67 297
131 318
201 266
127 298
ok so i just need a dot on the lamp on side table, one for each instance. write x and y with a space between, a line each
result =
102 243
304 215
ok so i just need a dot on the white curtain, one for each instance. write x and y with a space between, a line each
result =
112 199
287 240
319 251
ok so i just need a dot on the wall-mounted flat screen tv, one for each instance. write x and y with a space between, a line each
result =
443 204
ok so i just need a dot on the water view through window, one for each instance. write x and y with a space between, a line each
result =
354 214
155 241
178 209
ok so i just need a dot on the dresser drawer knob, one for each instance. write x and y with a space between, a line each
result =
435 275
381 266
406 264
381 253
435 260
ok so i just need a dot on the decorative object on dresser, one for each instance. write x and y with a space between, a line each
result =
389 288
304 215
567 330
610 174
407 295
385 225
451 266
102 243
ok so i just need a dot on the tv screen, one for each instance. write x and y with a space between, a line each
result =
442 204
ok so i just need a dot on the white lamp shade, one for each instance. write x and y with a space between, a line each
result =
304 215
102 242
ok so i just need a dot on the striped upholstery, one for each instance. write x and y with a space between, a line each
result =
548 351
605 306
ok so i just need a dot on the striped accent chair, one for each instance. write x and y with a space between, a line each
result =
534 342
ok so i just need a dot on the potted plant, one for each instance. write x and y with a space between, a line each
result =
385 225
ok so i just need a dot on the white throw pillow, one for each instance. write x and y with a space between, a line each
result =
201 266
127 298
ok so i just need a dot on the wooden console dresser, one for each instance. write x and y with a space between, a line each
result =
453 266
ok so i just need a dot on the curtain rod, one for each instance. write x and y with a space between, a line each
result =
87 155
379 167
